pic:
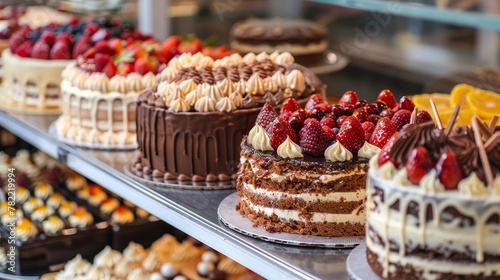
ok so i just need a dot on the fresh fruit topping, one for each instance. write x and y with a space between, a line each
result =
296 120
361 103
101 35
172 41
101 59
326 108
143 66
191 46
49 37
290 105
60 50
81 46
279 130
91 28
368 127
368 135
313 101
419 163
374 118
361 114
110 69
327 121
349 98
387 113
266 115
65 37
372 109
41 50
448 170
383 157
125 68
330 135
317 113
337 110
313 139
387 97
103 47
18 38
340 120
423 116
400 119
406 103
25 49
351 134
285 115
382 132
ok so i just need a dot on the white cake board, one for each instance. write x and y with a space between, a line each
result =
230 217
357 265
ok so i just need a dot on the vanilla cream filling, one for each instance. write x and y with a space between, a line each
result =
294 49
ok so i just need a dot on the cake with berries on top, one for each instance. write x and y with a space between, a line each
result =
433 203
304 171
189 127
36 58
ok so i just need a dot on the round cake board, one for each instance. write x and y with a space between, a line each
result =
230 217
53 131
357 265
10 105
332 62
175 184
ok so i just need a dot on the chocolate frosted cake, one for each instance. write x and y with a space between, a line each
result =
189 126
433 204
305 40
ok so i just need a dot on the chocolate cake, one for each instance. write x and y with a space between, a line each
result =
432 204
305 40
190 125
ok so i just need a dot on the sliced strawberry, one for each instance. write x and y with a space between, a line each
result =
419 163
368 127
351 135
25 49
382 132
278 132
101 59
143 66
313 139
60 50
400 119
266 115
406 103
423 116
81 46
116 45
387 97
330 135
90 53
41 50
110 69
349 98
327 121
290 105
361 114
340 120
383 157
313 101
449 171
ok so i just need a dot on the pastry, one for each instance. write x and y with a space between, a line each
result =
55 200
107 258
109 205
96 195
66 209
75 182
122 215
80 218
40 213
134 252
31 204
43 190
22 194
52 225
25 229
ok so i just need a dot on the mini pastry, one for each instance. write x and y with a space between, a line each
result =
141 213
107 258
31 204
185 252
166 243
4 206
8 217
22 194
22 162
66 209
134 252
99 273
43 160
122 215
75 182
97 195
25 229
231 267
109 205
80 218
52 225
138 274
151 263
55 200
40 213
204 268
168 270
77 266
83 192
124 268
43 190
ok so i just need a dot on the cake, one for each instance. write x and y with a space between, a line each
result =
306 41
189 126
432 203
304 171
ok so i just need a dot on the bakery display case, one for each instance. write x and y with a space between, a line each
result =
411 47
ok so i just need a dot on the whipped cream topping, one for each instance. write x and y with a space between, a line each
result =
107 258
52 225
495 189
149 80
22 194
225 86
22 162
262 56
97 82
185 252
337 152
430 183
124 268
80 218
31 204
288 149
99 272
43 160
295 80
386 171
236 98
231 267
213 92
138 274
255 85
166 243
97 197
258 138
77 266
249 58
123 215
25 229
205 104
285 58
66 208
187 86
40 213
180 105
43 190
134 82
76 182
118 83
109 205
472 185
225 104
368 150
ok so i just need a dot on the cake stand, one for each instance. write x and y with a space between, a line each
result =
332 62
357 265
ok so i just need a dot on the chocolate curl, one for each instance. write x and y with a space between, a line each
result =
482 152
492 142
436 115
493 123
453 119
413 118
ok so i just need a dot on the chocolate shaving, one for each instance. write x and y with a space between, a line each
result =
452 120
436 115
482 152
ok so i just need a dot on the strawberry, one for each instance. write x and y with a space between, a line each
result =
330 135
351 135
102 34
313 100
81 46
192 46
349 98
382 132
49 37
91 28
143 66
368 127
368 135
266 115
41 50
448 170
64 36
383 157
116 45
290 105
340 120
90 53
18 38
313 139
172 41
25 49
400 119
296 120
165 53
361 114
374 118
125 68
60 50
423 116
338 110
110 69
103 47
285 115
419 163
137 49
387 97
387 113
361 103
74 20
406 103
279 130
327 121
325 107
101 59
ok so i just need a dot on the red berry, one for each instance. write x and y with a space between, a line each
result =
330 135
368 135
325 107
49 37
143 66
290 105
266 115
382 132
125 68
172 41
74 20
349 98
296 120
448 170
400 119
327 121
41 50
419 163
383 157
278 132
313 140
64 36
361 103
406 103
374 118
361 114
25 49
101 59
340 120
110 69
18 38
317 113
91 29
351 135
101 35
90 53
348 110
60 50
423 116
313 101
387 113
285 115
193 46
387 97
337 110
81 46
103 47
372 109
368 126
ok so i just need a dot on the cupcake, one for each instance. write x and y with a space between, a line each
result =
124 268
22 194
80 218
122 215
40 213
52 225
107 258
43 190
55 200
83 192
22 162
75 182
134 252
66 208
109 205
31 204
25 229
96 195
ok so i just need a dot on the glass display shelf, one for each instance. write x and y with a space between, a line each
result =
191 211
